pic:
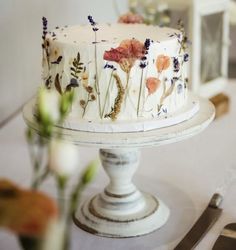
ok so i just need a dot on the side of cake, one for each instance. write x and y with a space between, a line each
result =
119 72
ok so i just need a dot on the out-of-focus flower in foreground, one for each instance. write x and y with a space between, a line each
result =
25 212
63 157
48 106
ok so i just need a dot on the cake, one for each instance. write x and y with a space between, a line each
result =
130 75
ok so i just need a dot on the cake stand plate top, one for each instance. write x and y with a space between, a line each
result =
143 139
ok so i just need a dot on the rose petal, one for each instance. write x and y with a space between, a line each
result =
162 63
152 84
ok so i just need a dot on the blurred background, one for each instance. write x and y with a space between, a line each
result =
20 41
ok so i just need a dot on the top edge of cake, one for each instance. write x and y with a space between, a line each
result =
113 33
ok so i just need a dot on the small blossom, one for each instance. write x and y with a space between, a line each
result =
82 103
89 89
63 158
84 78
93 97
152 84
162 63
131 18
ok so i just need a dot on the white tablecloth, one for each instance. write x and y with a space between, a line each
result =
184 175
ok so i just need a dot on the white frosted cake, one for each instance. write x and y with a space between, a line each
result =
128 75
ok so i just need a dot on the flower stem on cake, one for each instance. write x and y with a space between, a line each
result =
115 110
166 93
90 98
142 65
108 66
97 87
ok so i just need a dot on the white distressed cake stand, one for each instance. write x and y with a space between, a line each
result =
122 210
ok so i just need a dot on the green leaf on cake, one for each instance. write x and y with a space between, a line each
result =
57 84
77 67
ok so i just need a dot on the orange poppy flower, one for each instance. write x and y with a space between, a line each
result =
152 84
162 63
25 212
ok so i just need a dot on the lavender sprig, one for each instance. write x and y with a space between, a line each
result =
176 64
45 27
143 64
186 57
109 66
93 23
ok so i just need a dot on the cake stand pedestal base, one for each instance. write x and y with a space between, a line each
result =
121 210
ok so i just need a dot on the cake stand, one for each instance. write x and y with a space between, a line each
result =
122 210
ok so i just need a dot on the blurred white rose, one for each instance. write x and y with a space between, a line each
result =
63 157
49 105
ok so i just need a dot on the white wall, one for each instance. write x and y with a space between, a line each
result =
20 40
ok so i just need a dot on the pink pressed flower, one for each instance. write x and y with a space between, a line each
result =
152 84
126 54
162 63
130 18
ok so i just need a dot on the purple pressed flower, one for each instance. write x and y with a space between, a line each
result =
174 80
142 65
45 27
143 62
176 64
93 23
109 66
73 82
179 88
147 43
164 110
186 57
